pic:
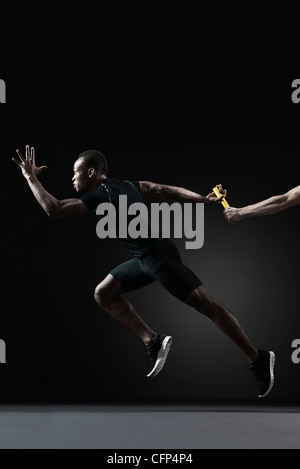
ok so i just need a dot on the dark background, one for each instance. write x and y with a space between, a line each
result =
182 97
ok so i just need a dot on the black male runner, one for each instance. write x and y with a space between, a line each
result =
153 259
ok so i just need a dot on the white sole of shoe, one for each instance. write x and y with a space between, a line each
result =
271 369
161 357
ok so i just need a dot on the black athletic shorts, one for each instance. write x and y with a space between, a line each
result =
164 264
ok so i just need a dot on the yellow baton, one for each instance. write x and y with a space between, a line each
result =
218 194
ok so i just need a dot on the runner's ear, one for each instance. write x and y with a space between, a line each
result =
91 172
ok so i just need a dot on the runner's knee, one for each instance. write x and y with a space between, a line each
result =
100 295
103 296
107 291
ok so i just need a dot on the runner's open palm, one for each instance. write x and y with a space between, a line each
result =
27 164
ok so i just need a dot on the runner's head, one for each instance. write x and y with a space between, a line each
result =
89 168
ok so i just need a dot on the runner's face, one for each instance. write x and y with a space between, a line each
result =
81 178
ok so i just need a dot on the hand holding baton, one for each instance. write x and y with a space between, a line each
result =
218 194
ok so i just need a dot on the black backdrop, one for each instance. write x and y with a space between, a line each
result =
181 97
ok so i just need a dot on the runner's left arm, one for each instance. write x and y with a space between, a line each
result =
153 191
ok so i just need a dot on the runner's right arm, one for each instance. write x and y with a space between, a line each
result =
52 206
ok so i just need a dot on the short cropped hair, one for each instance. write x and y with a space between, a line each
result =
94 159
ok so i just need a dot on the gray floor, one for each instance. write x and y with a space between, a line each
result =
149 427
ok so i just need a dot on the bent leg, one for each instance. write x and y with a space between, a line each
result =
203 302
108 295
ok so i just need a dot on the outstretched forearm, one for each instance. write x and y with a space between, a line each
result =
152 191
48 203
179 194
266 207
272 205
53 207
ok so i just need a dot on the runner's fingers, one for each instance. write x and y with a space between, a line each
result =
20 156
17 161
33 154
27 152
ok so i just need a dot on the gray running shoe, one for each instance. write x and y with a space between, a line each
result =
157 353
263 371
